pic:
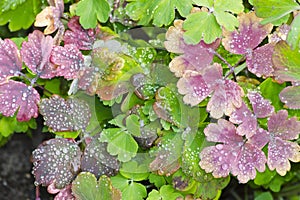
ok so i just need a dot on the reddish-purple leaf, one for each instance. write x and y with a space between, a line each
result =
226 98
83 39
98 161
56 161
17 96
261 107
195 57
36 54
246 120
259 62
280 33
291 97
88 79
65 115
65 194
280 151
69 60
10 61
249 35
232 154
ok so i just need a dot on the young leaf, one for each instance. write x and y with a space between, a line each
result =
166 192
273 10
10 61
91 11
280 149
293 37
120 143
162 12
83 39
86 187
291 97
97 160
56 161
65 115
36 54
69 60
18 96
135 171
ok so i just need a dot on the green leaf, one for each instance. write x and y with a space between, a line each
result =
10 125
133 125
273 10
264 178
166 192
157 180
134 171
120 143
6 5
23 16
86 187
270 90
161 11
293 37
209 29
264 196
92 10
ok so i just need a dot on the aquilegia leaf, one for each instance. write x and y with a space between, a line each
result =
56 161
10 62
18 96
36 54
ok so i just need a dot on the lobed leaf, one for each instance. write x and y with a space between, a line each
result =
17 96
10 61
261 107
69 60
7 5
86 187
291 97
249 35
65 115
97 160
56 161
36 54
82 38
293 37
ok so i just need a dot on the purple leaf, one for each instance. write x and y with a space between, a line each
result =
226 98
246 120
262 108
56 161
259 62
69 60
280 33
10 61
233 154
65 194
88 79
62 115
83 39
18 96
291 97
98 161
36 54
249 35
280 151
195 57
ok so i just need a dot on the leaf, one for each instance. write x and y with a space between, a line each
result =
166 192
134 171
263 178
69 60
286 62
162 12
36 54
65 115
264 196
280 149
22 17
83 39
262 108
120 143
7 5
167 154
209 30
10 61
157 180
273 10
133 125
92 10
56 161
97 160
249 35
291 97
293 37
18 96
86 187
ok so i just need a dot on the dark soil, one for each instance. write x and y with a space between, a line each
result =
16 180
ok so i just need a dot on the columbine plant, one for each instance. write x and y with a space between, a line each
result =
174 115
